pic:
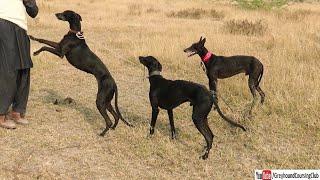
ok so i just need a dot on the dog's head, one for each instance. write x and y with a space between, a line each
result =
151 63
70 16
195 48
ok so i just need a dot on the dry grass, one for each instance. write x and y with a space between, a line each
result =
245 27
134 10
62 142
297 15
196 13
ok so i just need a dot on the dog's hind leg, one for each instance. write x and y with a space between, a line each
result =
261 94
202 125
173 129
252 88
102 103
213 82
114 114
207 134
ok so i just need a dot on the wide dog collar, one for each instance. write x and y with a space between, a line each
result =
207 57
79 34
154 73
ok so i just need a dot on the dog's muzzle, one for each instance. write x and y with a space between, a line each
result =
60 16
190 53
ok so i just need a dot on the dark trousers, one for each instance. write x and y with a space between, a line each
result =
14 90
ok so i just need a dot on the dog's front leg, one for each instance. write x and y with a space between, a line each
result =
43 41
155 112
173 129
52 50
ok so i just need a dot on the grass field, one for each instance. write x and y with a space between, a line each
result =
62 140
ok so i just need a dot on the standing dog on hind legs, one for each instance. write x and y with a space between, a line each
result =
220 67
168 94
74 47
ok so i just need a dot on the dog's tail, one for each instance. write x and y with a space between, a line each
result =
260 77
226 118
117 108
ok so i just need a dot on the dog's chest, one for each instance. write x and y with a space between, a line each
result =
78 62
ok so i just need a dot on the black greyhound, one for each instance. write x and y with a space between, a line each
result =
168 94
220 67
74 47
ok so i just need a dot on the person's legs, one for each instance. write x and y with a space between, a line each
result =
14 83
7 92
20 101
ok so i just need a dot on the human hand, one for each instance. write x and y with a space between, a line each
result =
29 2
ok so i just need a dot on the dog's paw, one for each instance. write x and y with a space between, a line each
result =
36 53
33 38
151 131
130 125
113 127
102 134
149 136
204 157
173 136
206 153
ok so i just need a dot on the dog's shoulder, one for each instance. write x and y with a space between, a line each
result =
72 41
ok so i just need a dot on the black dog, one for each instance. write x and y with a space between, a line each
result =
168 94
220 67
74 47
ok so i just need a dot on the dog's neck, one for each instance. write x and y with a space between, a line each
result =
154 73
203 52
74 31
205 55
79 34
75 26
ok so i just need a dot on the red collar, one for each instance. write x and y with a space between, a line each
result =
207 57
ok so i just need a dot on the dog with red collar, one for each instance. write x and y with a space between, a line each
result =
220 67
78 54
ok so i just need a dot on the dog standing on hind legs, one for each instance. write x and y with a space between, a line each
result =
220 67
168 94
78 54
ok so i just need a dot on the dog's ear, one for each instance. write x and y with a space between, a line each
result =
202 42
200 39
79 17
